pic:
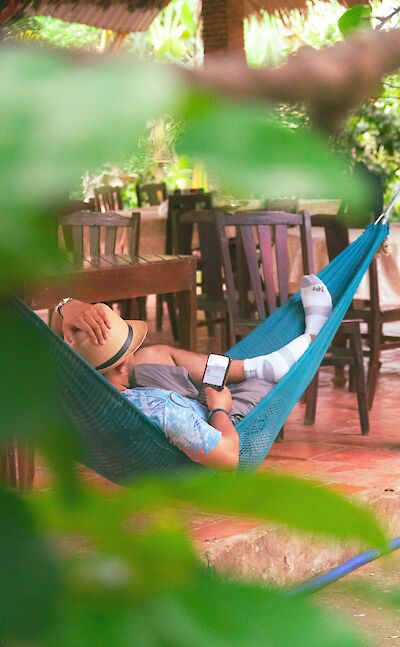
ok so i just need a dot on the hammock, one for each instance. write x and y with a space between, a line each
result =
119 442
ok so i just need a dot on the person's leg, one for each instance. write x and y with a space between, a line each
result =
195 363
157 354
317 304
274 366
246 395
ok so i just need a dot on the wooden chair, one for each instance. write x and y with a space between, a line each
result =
370 311
106 198
178 241
179 204
151 194
74 228
262 247
75 223
212 299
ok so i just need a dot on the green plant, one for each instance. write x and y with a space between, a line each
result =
53 32
265 42
371 133
173 36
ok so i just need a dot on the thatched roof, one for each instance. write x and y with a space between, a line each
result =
120 16
131 15
283 6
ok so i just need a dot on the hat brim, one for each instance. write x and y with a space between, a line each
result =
139 334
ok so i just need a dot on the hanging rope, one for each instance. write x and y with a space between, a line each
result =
385 216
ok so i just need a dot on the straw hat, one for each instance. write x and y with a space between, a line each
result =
124 338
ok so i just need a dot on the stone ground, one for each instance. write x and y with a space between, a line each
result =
377 620
334 452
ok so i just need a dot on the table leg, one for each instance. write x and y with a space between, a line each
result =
187 325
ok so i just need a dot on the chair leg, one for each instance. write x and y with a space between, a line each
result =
159 311
172 316
142 303
311 401
359 376
225 333
132 309
210 325
339 378
373 366
352 380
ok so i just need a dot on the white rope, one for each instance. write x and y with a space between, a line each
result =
384 217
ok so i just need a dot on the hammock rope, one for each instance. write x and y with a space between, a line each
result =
119 442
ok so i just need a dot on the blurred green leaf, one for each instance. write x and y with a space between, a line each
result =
29 579
61 114
158 594
247 148
356 17
205 613
297 503
225 614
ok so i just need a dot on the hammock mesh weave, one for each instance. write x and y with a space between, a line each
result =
119 442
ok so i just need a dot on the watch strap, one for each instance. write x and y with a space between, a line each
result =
61 304
215 411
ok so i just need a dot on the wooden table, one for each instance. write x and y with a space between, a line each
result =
118 277
388 266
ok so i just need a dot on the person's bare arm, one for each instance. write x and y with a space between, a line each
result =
194 362
78 315
226 453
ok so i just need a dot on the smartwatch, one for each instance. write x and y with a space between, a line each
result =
61 304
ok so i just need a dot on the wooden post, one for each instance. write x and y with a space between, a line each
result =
223 26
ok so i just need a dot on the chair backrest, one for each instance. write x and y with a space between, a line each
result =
107 198
256 268
179 236
151 194
210 262
76 225
337 239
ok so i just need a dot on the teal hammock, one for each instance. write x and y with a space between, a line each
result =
117 439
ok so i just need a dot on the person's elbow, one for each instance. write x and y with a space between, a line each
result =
228 460
224 456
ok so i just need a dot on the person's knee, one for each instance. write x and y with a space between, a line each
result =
157 354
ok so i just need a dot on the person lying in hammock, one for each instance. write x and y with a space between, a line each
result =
163 381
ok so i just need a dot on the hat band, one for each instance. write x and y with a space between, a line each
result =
120 353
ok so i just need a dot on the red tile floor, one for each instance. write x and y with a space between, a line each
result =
332 450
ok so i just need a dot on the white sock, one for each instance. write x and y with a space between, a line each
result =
317 303
274 366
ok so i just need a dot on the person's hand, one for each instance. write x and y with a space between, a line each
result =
219 399
91 319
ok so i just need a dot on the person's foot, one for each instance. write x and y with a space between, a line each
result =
317 303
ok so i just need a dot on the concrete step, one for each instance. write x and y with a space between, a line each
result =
273 554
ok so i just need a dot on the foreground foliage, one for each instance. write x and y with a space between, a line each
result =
80 568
